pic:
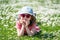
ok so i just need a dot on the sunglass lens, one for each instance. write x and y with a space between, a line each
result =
23 15
28 15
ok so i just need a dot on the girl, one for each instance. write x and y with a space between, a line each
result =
26 23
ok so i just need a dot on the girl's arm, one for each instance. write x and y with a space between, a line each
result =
30 32
20 32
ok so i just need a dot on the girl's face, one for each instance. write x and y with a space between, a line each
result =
25 17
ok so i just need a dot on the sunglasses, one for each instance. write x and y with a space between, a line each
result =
25 15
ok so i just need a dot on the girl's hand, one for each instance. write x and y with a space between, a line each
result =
24 22
21 21
27 23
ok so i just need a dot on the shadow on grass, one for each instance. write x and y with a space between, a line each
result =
45 35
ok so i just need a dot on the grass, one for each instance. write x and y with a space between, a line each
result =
47 33
8 19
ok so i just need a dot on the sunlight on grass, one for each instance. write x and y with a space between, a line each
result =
47 15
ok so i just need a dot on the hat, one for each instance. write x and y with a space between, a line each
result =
27 10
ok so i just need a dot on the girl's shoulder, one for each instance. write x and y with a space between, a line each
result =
36 27
33 25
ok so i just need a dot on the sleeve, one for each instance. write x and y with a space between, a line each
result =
18 25
37 28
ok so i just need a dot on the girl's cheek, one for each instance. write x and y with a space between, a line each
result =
29 19
21 18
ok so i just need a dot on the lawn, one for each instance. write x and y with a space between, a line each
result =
47 17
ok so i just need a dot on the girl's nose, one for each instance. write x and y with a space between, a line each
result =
25 18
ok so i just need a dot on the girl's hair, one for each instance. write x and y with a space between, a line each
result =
33 20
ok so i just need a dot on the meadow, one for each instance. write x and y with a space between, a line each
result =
47 18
